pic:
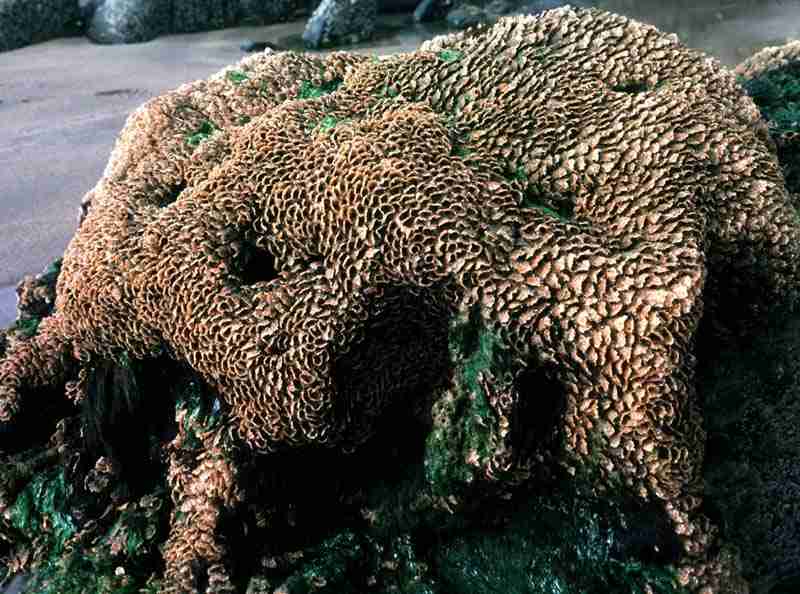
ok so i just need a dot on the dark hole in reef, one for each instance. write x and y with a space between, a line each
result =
33 425
646 536
632 87
559 208
253 264
170 195
388 353
126 413
537 424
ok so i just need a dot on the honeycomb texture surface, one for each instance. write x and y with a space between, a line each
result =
770 58
299 230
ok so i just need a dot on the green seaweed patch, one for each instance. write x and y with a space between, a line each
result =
777 95
53 270
203 413
130 545
559 543
464 421
308 90
237 77
244 120
388 91
519 174
461 151
327 124
329 566
28 327
563 211
205 130
41 508
449 55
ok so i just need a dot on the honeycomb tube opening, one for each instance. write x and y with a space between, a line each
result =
252 264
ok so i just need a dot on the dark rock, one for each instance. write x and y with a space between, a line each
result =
341 21
265 12
87 9
190 16
259 46
432 10
129 21
23 22
751 391
466 15
469 14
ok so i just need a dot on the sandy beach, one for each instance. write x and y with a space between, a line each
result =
63 102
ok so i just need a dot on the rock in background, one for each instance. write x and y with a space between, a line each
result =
131 21
23 22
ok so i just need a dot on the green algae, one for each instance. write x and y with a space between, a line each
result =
203 132
201 412
559 543
464 422
44 502
387 91
450 55
237 77
308 90
27 326
119 561
328 123
777 95
51 273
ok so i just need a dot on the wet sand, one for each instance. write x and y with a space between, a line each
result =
63 102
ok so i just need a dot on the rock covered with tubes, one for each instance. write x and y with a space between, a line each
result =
772 78
769 58
301 231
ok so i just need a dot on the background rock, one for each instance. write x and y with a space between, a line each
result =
23 22
751 392
129 21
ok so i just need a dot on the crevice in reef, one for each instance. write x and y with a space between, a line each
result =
252 264
632 87
165 198
405 326
537 425
125 410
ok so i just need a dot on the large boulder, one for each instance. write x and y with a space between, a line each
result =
131 21
340 21
772 78
485 263
23 22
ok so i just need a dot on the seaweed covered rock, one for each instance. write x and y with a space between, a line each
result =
751 395
511 235
23 22
772 78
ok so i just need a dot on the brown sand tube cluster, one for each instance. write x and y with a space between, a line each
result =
583 180
769 58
